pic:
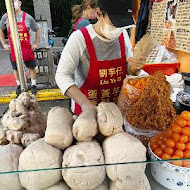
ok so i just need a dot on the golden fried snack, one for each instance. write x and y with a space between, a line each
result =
154 109
130 92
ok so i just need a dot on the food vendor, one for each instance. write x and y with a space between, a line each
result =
25 22
97 58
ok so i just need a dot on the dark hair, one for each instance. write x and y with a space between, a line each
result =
170 3
78 9
103 12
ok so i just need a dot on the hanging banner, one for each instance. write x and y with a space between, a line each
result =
170 25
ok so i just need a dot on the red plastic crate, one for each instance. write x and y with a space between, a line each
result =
166 68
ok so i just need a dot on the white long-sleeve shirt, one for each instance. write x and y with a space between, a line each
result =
74 63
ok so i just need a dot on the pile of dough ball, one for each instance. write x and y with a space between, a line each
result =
69 143
24 122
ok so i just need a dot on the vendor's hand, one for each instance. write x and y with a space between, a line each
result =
136 64
6 47
34 47
88 106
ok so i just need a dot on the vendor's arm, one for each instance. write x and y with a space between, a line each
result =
66 70
2 36
134 65
74 93
37 39
35 28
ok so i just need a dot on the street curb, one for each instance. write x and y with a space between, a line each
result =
42 95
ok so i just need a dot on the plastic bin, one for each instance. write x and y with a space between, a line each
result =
166 68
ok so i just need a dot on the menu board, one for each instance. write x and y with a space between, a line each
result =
158 20
170 24
183 26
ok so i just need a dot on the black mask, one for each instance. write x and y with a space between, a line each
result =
93 21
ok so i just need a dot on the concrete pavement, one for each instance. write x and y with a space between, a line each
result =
5 68
5 64
46 91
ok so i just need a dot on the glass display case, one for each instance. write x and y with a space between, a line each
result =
91 176
42 166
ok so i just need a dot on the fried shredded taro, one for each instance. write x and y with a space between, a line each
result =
130 93
154 109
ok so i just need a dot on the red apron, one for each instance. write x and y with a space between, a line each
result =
24 35
78 21
105 78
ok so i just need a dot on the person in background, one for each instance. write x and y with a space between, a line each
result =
25 23
97 58
83 13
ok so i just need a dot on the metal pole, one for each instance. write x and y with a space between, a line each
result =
16 43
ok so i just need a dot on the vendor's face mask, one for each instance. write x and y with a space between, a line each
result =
16 5
111 32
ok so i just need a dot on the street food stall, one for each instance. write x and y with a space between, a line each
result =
140 143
